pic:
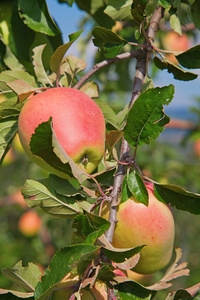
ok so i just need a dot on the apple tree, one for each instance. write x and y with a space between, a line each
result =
122 220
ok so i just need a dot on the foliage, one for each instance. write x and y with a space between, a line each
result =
124 32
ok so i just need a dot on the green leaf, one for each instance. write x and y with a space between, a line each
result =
108 113
89 224
58 55
26 277
103 36
42 194
137 188
72 65
39 70
190 59
20 34
138 10
74 258
21 88
123 258
64 187
175 23
91 89
109 42
13 295
121 116
35 15
105 176
178 73
131 290
112 137
150 7
8 124
126 193
165 4
77 172
178 197
120 256
95 8
11 61
180 294
146 118
41 145
195 10
119 10
12 75
148 83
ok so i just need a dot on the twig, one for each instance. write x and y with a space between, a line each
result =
141 69
104 63
186 27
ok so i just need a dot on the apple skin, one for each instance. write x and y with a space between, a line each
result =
139 225
197 148
78 123
29 223
65 289
175 42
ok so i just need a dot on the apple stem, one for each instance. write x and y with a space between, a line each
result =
120 162
99 187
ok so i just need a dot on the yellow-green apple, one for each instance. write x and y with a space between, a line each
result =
78 123
17 146
9 158
152 226
141 278
29 223
68 285
176 43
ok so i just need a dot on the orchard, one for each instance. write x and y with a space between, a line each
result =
82 190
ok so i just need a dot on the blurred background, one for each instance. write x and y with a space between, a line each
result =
174 158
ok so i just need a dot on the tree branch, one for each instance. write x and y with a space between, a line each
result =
141 71
104 63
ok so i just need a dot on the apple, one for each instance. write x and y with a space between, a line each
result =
152 226
66 288
176 43
197 148
17 198
29 223
141 278
9 158
78 123
16 144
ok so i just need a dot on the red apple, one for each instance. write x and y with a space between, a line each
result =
29 223
152 226
197 148
78 123
176 43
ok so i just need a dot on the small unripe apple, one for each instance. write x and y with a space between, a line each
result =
141 278
152 226
78 123
176 43
66 288
29 223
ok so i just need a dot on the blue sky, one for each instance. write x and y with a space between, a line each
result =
68 19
